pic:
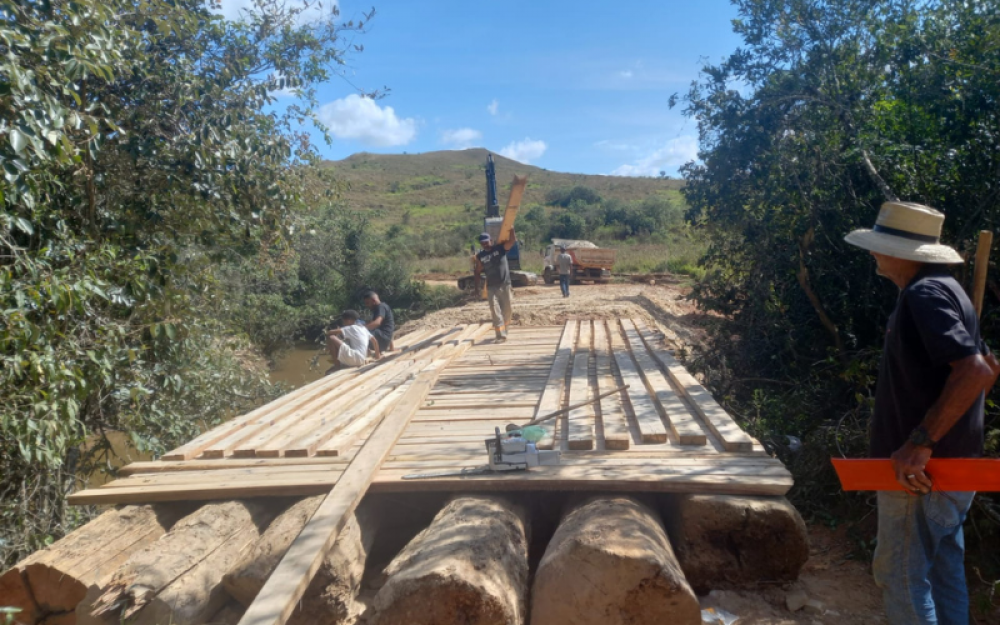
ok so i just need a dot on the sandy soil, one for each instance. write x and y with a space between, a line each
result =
665 305
843 588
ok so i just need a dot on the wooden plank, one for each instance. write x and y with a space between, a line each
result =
360 427
552 395
237 489
323 421
277 599
288 402
647 416
513 204
610 479
163 466
612 413
674 412
244 443
580 421
712 414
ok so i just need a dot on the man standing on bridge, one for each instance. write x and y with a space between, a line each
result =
928 401
492 260
382 326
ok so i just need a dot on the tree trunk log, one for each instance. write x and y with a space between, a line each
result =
178 579
610 563
54 580
331 595
469 566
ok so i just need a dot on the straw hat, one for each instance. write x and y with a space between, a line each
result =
907 230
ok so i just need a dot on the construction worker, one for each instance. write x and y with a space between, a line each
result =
492 260
564 262
349 344
382 326
928 402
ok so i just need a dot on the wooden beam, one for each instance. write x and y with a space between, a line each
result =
674 412
712 414
612 413
513 204
552 395
647 417
277 599
580 421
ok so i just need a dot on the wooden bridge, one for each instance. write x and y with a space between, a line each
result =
664 433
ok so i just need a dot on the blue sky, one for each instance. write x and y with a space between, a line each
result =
569 86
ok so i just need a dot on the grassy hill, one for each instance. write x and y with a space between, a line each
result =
434 203
453 178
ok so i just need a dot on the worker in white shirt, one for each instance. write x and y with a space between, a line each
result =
349 344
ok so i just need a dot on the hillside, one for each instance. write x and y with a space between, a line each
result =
451 179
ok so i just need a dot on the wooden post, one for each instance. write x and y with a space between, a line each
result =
982 266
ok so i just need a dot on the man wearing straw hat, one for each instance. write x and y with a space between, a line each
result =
928 402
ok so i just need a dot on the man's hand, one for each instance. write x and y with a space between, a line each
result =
909 462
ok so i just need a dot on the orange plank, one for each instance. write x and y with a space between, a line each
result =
949 474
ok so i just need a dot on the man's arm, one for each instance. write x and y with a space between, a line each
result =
477 272
373 344
374 323
511 239
335 332
969 377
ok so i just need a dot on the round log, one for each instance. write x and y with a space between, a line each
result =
610 563
469 566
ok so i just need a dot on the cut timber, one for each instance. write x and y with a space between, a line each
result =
580 421
363 425
60 575
288 402
513 204
613 420
552 396
618 546
715 417
647 416
177 579
331 595
726 541
276 601
469 566
675 412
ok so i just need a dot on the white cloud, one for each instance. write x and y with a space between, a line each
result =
317 11
625 74
461 138
493 107
672 155
524 151
355 117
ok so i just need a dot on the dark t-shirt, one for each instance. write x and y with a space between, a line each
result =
494 262
934 324
388 326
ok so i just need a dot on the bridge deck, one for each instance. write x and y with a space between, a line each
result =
664 433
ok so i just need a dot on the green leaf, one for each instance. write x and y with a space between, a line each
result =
17 140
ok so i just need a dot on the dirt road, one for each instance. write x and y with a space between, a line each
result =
842 587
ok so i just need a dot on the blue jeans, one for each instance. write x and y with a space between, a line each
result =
564 284
919 557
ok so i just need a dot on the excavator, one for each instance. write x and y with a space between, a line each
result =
499 227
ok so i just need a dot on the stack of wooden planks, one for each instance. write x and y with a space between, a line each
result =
664 433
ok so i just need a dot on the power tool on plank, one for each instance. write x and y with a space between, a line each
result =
512 452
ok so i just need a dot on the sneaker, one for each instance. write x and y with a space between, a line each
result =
501 339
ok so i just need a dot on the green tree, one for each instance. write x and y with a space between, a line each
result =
139 148
827 110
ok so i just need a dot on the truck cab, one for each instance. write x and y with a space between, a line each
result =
590 263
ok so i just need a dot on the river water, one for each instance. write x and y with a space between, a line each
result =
296 367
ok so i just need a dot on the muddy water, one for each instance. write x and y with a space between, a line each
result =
297 367
301 365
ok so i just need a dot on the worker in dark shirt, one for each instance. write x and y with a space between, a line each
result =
382 326
929 398
492 260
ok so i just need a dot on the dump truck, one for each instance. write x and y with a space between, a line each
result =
590 263
497 225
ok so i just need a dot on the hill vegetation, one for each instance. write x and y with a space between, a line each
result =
431 206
